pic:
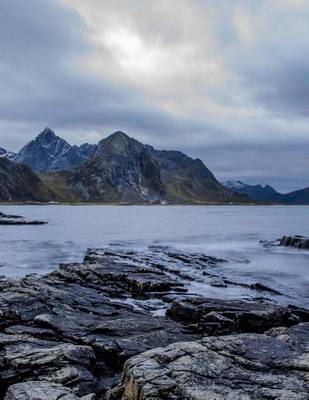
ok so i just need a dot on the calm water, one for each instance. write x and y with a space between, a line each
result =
229 232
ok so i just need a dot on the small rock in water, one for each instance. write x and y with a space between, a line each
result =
300 242
19 220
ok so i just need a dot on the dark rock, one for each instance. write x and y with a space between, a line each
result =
244 366
217 317
300 242
77 326
18 220
36 390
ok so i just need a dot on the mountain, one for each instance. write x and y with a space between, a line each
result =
268 193
298 196
7 154
123 169
186 179
19 183
48 152
254 192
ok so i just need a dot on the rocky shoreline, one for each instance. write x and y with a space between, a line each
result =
123 325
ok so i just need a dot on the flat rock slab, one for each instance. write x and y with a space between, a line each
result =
77 326
235 367
219 317
36 390
19 220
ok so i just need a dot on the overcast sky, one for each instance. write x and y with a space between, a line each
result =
225 81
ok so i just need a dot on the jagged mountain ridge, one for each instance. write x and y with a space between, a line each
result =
268 194
7 154
123 169
19 183
49 152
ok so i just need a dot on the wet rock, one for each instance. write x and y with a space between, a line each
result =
217 317
34 390
18 220
77 326
244 366
300 242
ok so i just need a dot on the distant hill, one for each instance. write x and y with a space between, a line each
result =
48 152
123 169
19 183
268 193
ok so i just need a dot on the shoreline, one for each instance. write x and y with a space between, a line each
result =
93 330
145 204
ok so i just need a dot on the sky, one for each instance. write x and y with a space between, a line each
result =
225 81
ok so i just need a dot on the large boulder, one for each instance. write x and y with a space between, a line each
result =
235 367
217 316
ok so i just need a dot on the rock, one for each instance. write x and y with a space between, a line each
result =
300 242
18 220
76 327
35 390
217 317
243 366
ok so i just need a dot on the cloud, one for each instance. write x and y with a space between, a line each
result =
218 81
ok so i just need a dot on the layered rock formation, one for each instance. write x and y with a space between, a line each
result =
67 335
248 366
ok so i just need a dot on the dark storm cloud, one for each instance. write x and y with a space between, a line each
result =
42 83
223 81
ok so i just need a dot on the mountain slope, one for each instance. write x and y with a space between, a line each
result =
297 197
19 183
123 169
189 180
48 152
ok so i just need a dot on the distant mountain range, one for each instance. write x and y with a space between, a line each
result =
123 169
119 169
268 193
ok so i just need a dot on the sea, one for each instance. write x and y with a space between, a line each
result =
233 233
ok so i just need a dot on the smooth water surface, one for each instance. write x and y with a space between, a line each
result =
230 232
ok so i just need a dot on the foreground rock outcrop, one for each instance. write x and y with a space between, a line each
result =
67 334
244 366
